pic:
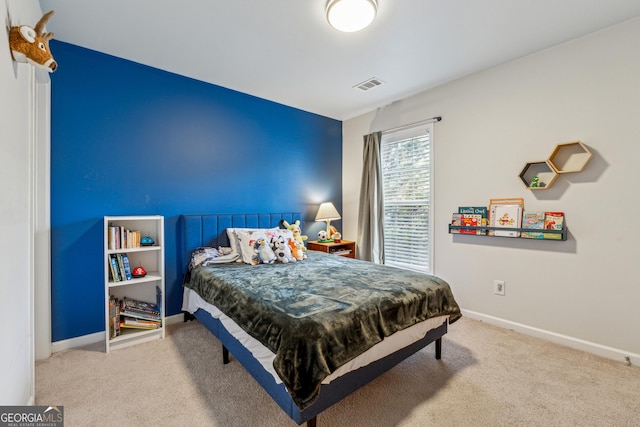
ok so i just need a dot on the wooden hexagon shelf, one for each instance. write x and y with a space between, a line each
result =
569 157
545 173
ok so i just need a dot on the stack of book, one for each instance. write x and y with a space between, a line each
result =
470 216
538 220
135 314
122 238
119 268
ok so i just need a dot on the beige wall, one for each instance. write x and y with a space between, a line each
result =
583 292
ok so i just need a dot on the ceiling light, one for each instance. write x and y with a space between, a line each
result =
351 15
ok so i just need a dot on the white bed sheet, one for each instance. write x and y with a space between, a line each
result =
191 302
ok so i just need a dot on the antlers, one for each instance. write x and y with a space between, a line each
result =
39 28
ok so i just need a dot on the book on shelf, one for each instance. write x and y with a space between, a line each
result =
506 216
141 306
127 267
114 317
553 221
131 322
114 268
456 220
122 238
478 216
120 263
532 220
468 220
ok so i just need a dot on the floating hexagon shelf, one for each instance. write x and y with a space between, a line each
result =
545 173
569 157
565 158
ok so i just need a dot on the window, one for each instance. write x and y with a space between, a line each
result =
406 182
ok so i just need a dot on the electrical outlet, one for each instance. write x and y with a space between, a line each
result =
498 287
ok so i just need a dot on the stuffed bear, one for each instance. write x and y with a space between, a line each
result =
281 249
297 233
264 253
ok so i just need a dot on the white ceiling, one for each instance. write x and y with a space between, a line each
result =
285 51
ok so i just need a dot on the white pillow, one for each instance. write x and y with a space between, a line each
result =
246 240
233 238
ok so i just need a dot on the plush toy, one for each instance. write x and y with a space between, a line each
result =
282 250
296 250
32 44
322 235
264 252
297 233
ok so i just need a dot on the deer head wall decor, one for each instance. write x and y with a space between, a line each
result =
32 44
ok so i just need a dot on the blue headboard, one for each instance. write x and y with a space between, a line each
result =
210 229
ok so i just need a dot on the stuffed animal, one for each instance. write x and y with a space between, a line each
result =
32 44
297 233
322 235
264 253
281 249
296 250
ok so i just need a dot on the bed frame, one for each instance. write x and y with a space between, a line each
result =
210 230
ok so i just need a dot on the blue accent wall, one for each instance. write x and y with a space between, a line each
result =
127 139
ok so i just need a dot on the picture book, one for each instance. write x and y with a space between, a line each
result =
506 216
532 220
473 210
478 212
553 221
470 220
456 220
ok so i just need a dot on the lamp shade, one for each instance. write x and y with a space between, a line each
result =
327 211
351 15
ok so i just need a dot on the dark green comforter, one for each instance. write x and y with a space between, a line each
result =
320 313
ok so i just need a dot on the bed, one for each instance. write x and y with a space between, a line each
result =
313 331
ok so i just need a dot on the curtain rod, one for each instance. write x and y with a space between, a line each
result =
421 122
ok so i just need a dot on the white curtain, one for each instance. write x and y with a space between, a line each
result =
371 209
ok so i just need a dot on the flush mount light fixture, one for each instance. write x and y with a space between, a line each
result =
351 15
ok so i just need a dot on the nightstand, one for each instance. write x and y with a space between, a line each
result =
345 248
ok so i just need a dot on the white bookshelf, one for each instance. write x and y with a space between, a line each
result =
151 258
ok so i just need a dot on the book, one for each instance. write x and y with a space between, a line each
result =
532 220
473 210
479 212
114 268
121 267
142 306
112 317
469 220
495 221
127 267
131 322
456 220
553 221
507 216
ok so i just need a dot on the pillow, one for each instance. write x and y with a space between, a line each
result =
246 239
233 238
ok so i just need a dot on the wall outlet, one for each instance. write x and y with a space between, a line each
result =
498 287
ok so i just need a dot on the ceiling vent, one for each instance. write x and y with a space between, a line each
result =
369 84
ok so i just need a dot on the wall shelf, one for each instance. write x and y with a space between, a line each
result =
545 173
565 158
562 233
570 157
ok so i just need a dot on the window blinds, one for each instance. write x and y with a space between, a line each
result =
406 181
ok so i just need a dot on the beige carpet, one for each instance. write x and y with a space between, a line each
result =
488 376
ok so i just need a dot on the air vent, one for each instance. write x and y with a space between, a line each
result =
369 84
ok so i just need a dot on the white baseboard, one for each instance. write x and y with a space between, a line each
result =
575 343
99 336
